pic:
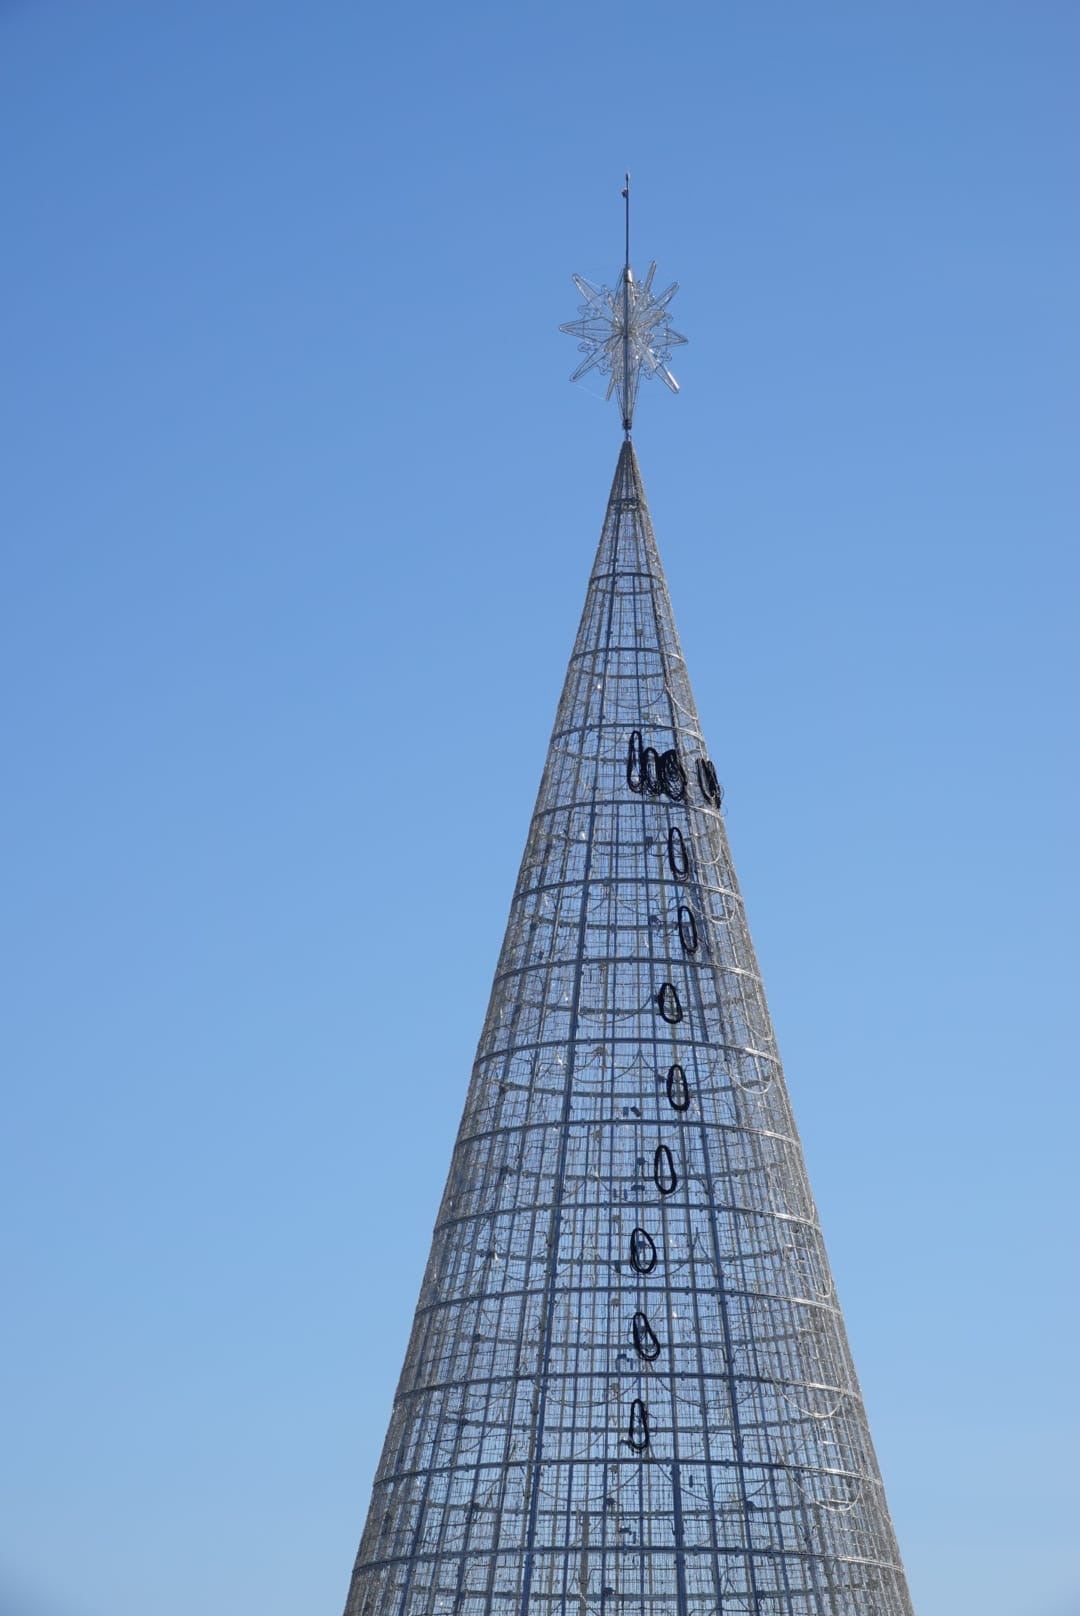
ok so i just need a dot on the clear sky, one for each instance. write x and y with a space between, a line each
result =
297 510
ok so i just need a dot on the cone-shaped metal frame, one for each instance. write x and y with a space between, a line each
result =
628 1387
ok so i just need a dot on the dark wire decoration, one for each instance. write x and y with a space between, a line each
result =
688 935
650 771
678 1089
646 1341
672 776
678 856
642 766
665 1177
669 1004
711 789
637 1432
642 1251
633 761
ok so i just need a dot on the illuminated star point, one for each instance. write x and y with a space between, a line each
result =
623 332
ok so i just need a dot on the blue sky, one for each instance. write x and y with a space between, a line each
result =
297 512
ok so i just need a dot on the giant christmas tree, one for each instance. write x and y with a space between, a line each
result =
628 1389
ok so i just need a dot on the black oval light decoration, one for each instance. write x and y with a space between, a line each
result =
678 1089
669 1004
711 788
664 1175
637 1432
688 929
672 776
677 856
646 1341
650 771
642 1251
633 761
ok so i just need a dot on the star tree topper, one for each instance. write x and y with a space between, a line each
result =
625 330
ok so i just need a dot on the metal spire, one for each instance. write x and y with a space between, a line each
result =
625 331
627 415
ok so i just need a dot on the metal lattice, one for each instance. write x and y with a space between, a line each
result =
628 1390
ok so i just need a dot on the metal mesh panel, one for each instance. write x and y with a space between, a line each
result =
628 1387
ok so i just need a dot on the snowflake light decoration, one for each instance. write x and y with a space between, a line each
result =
623 332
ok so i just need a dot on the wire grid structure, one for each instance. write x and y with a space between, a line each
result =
628 1389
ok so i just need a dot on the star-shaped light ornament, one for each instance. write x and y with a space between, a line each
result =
624 331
